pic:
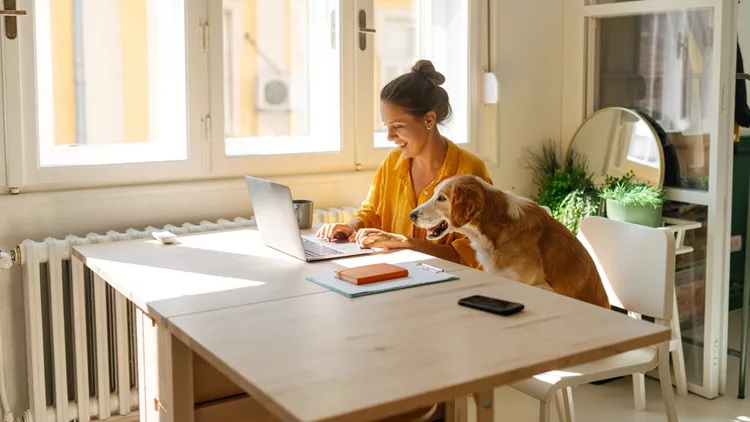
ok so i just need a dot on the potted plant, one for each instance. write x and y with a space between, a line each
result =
637 203
567 188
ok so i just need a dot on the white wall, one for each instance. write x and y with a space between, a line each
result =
528 52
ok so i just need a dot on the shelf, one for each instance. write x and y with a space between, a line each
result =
683 249
679 227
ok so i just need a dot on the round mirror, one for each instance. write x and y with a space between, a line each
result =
617 140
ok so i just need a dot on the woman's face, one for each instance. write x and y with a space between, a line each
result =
408 132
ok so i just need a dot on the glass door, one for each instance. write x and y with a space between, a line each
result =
666 61
406 31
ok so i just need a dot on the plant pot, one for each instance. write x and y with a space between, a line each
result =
645 215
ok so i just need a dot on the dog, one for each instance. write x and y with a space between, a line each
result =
513 237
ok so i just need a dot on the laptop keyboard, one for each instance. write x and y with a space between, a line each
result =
317 250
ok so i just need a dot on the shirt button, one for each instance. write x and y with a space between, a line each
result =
424 193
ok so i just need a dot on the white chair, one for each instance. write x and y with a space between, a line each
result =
636 264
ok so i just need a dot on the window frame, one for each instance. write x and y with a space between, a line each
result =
222 165
369 156
206 144
23 159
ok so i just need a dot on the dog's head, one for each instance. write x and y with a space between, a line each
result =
457 201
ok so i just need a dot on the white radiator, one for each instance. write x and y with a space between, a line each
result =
80 335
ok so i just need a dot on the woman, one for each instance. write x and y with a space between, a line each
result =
411 106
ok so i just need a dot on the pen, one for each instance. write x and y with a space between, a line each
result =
430 268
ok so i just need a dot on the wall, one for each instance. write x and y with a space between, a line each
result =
527 58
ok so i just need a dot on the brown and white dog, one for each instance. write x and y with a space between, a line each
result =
513 237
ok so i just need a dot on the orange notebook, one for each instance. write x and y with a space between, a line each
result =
374 273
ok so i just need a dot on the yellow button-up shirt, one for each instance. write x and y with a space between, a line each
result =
391 197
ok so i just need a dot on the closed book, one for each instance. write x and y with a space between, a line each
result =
371 273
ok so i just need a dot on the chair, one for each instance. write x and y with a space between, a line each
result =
636 264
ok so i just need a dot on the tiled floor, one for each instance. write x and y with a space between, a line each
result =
613 402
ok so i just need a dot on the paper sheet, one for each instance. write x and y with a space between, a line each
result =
418 276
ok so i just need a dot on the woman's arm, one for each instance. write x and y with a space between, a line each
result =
356 224
374 238
367 215
446 252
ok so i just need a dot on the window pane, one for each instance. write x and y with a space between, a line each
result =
280 59
438 30
690 285
111 81
661 64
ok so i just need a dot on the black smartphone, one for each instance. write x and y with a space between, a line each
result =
491 305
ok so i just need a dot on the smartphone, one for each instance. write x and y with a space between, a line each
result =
491 305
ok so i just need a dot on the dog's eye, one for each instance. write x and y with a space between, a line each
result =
441 198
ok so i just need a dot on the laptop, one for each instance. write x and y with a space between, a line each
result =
277 223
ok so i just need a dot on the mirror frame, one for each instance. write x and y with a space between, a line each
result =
640 117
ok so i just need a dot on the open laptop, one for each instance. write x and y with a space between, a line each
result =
277 223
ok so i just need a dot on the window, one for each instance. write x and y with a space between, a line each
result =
666 73
114 97
642 148
151 91
102 93
437 30
273 52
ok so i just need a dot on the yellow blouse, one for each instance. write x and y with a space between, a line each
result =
391 197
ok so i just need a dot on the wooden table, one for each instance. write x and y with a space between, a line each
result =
222 315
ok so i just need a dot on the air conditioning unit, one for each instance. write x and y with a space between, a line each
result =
274 93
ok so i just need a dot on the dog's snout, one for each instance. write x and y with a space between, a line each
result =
413 215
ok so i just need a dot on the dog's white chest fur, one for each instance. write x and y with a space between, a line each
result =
483 248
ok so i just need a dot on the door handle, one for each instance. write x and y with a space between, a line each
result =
363 30
10 13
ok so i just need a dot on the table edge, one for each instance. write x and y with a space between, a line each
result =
406 404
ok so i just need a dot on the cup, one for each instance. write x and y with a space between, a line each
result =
304 210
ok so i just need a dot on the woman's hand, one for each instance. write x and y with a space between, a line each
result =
374 238
333 231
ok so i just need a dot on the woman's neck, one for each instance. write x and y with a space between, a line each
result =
433 155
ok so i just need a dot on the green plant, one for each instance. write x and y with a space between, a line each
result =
623 190
694 182
575 207
566 187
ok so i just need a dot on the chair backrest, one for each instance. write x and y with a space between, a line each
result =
636 264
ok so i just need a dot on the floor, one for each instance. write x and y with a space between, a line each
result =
613 402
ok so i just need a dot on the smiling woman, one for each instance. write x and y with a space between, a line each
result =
412 106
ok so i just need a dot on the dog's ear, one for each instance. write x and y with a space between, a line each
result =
466 202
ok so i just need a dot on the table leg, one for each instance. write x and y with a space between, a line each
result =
182 381
485 409
165 368
457 410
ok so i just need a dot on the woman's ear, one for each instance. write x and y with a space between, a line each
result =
430 120
466 201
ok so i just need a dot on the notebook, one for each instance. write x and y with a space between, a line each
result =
418 276
373 273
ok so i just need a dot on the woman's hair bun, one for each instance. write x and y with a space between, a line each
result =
426 69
